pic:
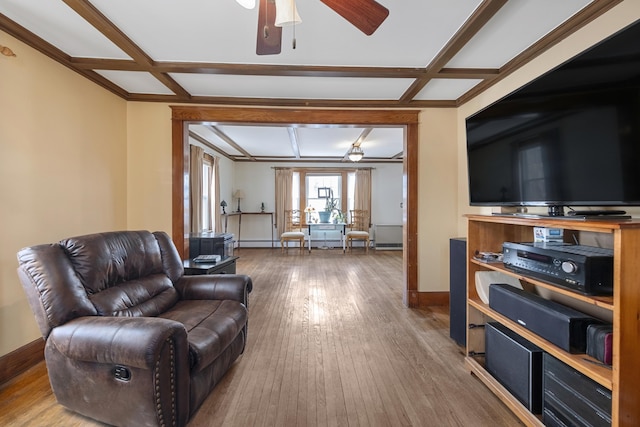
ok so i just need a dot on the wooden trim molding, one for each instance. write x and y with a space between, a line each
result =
18 361
182 116
432 299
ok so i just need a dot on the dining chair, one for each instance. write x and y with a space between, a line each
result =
359 228
293 230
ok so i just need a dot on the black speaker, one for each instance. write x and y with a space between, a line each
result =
557 323
458 290
516 364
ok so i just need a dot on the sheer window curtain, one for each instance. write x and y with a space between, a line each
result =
217 212
207 210
362 196
196 162
284 185
197 183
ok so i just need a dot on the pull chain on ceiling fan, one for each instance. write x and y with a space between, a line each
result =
366 15
286 15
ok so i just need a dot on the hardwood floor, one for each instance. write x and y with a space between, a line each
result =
330 344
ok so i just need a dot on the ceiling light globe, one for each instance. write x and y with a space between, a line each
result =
355 154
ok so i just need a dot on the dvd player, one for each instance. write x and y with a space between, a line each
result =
585 269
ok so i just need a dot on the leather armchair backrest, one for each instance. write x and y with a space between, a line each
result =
54 291
126 273
171 260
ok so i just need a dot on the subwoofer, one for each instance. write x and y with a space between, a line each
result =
516 364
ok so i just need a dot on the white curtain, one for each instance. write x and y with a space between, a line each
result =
207 210
196 162
284 186
217 212
362 197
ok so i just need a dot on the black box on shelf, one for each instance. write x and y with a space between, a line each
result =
571 398
516 363
206 243
557 323
600 342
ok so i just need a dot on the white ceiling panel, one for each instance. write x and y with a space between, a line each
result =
209 48
446 88
313 142
260 140
55 22
135 81
518 25
384 142
327 142
292 86
223 31
206 133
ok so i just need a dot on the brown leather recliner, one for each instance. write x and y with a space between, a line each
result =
129 339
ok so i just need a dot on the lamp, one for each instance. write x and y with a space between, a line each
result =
286 13
249 4
239 194
223 205
309 210
355 153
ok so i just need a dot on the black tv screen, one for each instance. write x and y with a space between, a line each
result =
569 138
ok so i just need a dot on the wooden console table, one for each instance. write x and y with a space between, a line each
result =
326 226
239 215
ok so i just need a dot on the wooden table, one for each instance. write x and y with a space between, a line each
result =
328 226
227 265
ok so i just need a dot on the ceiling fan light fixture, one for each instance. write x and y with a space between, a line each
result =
355 154
248 4
286 13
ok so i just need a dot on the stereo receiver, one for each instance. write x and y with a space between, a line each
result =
585 269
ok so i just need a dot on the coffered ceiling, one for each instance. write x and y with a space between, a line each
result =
426 53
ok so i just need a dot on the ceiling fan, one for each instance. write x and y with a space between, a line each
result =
366 15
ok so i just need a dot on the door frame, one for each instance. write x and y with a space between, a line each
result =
183 116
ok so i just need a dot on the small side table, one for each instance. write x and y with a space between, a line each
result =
226 265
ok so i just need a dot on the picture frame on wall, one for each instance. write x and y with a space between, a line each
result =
324 192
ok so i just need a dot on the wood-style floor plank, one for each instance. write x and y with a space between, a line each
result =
330 344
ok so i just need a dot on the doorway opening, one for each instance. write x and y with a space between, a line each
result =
183 116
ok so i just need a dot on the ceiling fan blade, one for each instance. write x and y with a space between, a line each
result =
366 15
269 37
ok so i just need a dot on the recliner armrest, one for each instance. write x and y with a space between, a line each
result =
121 370
234 287
130 341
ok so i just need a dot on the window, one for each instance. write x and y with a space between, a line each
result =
208 194
295 191
323 188
312 187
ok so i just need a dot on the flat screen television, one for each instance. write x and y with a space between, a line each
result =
569 138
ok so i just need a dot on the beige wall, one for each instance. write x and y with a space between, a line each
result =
62 168
437 183
149 166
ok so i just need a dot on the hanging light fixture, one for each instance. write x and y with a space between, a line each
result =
287 13
355 154
249 4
